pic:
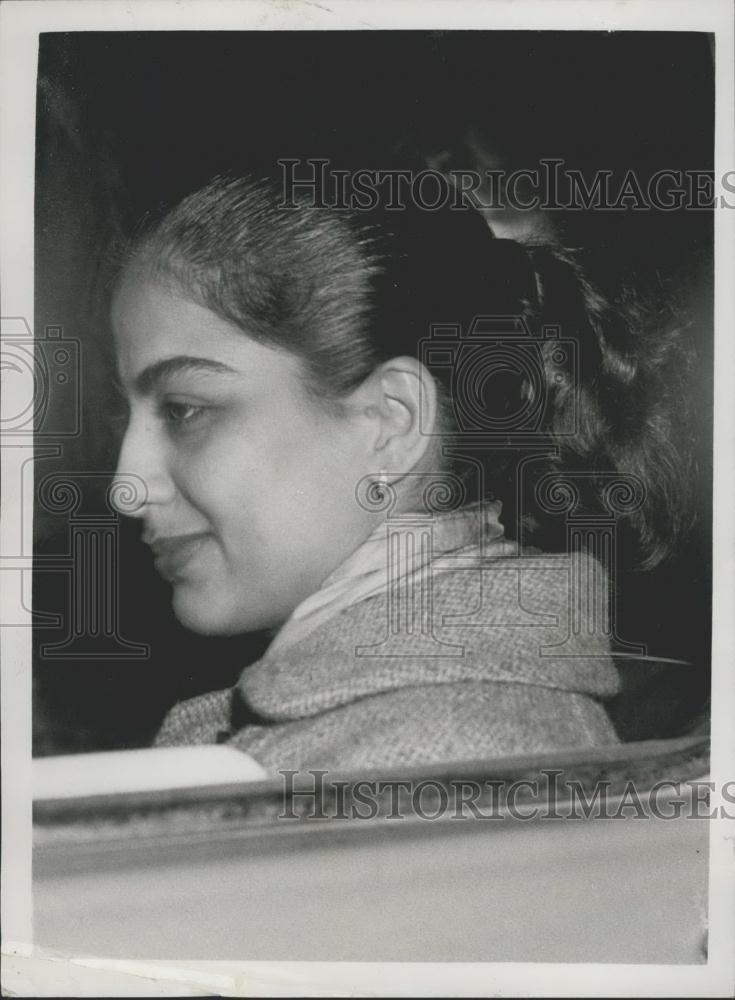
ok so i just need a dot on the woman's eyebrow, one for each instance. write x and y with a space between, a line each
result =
148 380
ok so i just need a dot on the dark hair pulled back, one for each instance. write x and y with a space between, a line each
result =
347 290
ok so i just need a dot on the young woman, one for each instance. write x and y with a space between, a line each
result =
324 407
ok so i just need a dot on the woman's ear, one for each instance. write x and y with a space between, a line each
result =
401 398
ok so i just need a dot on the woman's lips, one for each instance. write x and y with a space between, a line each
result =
173 553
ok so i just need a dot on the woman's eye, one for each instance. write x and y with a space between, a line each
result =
181 415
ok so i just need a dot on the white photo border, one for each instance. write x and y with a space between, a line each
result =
28 973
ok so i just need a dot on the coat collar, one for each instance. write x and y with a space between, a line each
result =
388 557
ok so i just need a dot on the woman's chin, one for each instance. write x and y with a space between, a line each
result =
206 615
202 616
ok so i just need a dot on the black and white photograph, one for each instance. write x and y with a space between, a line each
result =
367 460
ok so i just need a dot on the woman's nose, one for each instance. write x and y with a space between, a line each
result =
141 479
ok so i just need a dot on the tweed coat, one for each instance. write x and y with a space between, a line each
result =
505 656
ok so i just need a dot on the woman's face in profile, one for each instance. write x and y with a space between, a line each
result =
250 481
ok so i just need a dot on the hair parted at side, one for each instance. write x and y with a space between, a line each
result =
347 290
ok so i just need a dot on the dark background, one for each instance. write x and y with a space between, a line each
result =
126 120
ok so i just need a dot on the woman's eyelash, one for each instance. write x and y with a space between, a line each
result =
181 414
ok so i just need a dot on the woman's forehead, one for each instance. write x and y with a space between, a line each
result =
153 322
